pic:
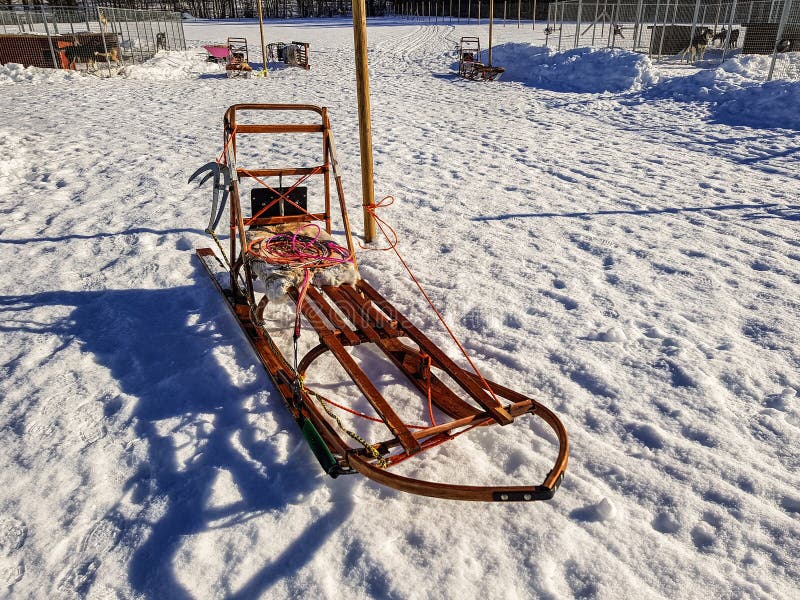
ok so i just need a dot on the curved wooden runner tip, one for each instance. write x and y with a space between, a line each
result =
530 493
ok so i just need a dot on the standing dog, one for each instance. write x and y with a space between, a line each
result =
88 54
733 41
699 44
161 41
720 37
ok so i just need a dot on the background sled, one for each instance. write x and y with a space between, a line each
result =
345 316
294 54
469 65
238 58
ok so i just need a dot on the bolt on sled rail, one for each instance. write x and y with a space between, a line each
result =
283 250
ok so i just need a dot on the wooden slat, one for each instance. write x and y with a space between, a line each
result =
346 297
369 310
289 128
351 311
279 172
330 313
371 393
477 392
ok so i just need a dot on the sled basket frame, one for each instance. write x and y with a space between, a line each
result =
348 315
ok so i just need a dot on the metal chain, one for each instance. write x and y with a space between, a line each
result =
370 448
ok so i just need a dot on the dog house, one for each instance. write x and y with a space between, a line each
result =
760 38
31 50
27 50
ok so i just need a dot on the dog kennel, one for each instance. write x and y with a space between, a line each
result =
48 52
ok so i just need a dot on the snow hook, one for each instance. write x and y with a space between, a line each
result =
222 183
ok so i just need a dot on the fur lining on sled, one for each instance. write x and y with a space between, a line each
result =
278 280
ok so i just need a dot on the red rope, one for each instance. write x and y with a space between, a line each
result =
362 415
393 240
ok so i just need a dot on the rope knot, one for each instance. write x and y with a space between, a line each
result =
392 239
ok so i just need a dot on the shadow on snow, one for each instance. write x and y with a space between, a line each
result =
764 211
143 337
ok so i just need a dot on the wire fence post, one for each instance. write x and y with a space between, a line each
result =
694 22
787 5
49 38
637 27
727 41
612 38
578 24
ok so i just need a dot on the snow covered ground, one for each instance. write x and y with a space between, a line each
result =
617 238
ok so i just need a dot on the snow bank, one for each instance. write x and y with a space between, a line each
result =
16 73
173 65
588 70
739 94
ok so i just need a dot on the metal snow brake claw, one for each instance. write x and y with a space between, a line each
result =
222 183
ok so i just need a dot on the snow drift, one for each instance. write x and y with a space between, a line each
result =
738 92
588 70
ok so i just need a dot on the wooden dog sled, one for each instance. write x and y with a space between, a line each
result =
469 65
345 316
294 54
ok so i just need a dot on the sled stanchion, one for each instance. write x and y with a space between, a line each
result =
283 240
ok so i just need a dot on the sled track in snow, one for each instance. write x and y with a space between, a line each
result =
416 48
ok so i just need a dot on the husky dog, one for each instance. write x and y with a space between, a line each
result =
733 41
699 44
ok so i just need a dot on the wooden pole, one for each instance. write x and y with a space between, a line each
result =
364 124
491 22
263 46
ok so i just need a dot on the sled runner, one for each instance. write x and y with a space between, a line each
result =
282 245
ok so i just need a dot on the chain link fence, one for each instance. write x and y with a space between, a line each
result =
698 32
94 39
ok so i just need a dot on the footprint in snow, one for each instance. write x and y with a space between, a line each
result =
791 504
79 579
567 302
782 401
103 536
91 422
11 572
703 536
665 523
13 533
602 511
